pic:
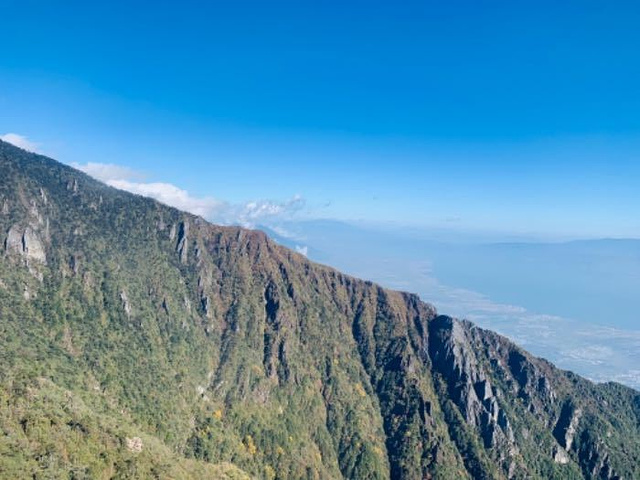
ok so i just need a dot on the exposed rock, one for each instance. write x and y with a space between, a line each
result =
566 425
25 243
560 456
271 327
202 393
72 185
483 390
47 231
67 341
454 358
182 247
125 303
32 246
134 444
595 459
13 242
533 386
35 213
204 281
5 207
87 280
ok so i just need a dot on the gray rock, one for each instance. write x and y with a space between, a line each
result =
182 247
13 242
452 352
125 303
560 456
32 246
72 185
25 243
567 425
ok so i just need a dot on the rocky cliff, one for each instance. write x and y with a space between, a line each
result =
138 341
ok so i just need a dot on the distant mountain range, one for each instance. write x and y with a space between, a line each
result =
138 341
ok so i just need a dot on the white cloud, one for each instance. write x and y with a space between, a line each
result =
592 354
261 209
171 195
247 214
303 250
253 213
107 172
20 141
286 233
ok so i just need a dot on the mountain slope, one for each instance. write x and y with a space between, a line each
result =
231 353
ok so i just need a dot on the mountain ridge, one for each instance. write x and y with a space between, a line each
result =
225 348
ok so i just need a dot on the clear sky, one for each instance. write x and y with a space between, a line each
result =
506 116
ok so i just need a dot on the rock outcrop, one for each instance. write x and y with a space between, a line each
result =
469 386
26 243
182 245
567 425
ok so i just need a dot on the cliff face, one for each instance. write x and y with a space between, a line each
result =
141 341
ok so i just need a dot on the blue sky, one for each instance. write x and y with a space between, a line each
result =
517 117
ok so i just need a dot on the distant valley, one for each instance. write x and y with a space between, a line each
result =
573 302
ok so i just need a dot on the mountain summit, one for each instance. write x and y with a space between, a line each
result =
139 341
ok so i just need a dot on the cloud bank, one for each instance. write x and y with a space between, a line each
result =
108 172
248 214
20 141
171 195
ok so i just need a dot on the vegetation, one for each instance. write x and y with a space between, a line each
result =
137 341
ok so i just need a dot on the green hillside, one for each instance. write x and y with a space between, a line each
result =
138 341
